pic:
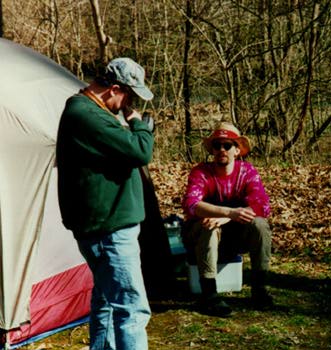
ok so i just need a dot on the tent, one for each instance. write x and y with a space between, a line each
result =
44 282
45 285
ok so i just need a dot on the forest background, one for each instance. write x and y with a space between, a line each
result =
262 64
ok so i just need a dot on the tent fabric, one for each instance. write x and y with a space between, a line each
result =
63 253
34 245
54 301
46 334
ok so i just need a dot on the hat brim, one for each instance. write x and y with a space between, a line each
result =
242 142
143 92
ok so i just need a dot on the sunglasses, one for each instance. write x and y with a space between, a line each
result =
217 145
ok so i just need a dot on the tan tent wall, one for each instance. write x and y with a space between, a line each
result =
33 91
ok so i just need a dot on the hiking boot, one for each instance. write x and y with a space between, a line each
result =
214 305
210 302
261 299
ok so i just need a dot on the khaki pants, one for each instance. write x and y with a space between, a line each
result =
224 243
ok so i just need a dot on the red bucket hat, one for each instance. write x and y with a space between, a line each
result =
230 132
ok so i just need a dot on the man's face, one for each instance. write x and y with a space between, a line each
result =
120 97
225 151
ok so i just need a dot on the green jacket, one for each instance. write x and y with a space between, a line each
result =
98 160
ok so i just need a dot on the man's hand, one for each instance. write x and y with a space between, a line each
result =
242 215
212 223
130 113
149 121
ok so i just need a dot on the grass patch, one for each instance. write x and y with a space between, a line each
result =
300 320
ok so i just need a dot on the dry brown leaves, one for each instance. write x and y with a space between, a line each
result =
300 199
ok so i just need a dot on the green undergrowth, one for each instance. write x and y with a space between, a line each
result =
300 319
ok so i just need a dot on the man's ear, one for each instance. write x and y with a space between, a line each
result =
237 152
114 89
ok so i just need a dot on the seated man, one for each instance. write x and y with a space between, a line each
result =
226 208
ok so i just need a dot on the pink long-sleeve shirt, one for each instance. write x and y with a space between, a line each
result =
242 188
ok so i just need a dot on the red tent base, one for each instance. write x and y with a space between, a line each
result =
56 302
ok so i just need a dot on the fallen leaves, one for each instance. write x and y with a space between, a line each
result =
299 197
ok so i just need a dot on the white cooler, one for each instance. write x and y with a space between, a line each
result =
229 276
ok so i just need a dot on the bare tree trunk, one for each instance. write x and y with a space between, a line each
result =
53 20
136 29
276 64
186 86
165 52
306 102
103 39
75 48
320 131
229 78
1 20
232 94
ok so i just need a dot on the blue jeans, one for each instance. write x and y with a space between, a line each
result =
119 307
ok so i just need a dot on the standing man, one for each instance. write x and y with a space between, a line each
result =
226 208
101 199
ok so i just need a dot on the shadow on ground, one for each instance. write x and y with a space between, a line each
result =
292 294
